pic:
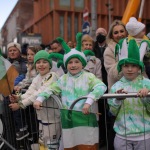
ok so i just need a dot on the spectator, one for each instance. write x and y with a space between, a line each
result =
93 63
14 56
99 49
31 72
132 114
136 31
117 31
49 119
56 47
76 83
70 44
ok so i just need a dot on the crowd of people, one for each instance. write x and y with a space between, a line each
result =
117 62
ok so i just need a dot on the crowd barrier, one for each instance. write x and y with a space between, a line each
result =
8 126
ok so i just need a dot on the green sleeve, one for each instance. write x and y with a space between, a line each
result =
114 104
54 88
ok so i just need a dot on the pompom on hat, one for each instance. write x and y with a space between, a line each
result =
130 53
42 54
134 27
13 44
71 53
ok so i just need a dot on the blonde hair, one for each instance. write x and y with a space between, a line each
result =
86 38
114 23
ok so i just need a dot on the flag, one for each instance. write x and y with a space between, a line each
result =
8 74
79 131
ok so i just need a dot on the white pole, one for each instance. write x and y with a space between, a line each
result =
141 10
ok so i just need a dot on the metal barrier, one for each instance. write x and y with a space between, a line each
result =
34 130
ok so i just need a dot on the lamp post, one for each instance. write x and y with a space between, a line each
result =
110 8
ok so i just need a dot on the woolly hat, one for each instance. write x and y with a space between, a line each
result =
13 44
130 53
134 27
42 54
71 53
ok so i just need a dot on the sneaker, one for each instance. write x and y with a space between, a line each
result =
21 135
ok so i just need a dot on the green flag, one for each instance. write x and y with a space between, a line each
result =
79 131
7 76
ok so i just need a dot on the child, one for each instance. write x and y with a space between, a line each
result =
76 83
136 31
49 119
132 124
31 72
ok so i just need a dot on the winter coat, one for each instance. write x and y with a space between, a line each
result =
110 63
39 83
94 66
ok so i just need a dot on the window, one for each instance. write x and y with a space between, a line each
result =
64 2
69 27
62 26
79 3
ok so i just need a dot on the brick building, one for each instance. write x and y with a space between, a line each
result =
53 18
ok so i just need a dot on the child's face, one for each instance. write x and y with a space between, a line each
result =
130 71
74 66
42 66
30 56
141 34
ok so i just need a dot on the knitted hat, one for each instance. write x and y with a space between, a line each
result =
130 53
42 54
134 27
13 44
72 53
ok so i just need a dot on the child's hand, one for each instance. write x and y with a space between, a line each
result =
121 91
85 108
37 105
143 92
13 98
14 106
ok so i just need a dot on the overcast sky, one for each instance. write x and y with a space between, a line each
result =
6 7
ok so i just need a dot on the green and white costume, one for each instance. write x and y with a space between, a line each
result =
73 87
132 114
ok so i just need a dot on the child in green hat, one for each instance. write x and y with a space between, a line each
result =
132 124
49 119
75 84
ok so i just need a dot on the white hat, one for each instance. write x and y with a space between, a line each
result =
134 27
13 44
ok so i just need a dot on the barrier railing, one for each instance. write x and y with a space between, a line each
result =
58 101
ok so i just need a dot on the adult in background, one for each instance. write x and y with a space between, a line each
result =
93 63
57 48
14 56
116 32
99 49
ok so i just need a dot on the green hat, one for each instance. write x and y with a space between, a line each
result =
72 53
130 52
42 54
